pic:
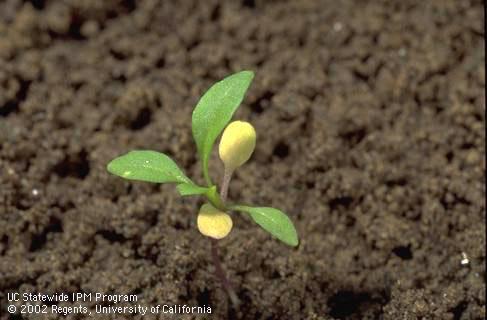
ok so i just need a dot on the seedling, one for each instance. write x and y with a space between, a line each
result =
211 115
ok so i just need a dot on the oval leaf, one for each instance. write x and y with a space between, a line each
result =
214 110
189 189
273 221
145 165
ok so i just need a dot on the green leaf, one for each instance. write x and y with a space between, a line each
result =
145 165
189 189
273 221
214 110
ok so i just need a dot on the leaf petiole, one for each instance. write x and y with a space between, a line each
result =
215 199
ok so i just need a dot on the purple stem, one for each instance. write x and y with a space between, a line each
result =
220 273
227 176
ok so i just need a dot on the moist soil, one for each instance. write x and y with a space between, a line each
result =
370 120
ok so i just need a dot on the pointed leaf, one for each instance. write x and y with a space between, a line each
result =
273 221
146 165
189 189
214 110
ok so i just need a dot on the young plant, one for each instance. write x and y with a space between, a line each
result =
211 115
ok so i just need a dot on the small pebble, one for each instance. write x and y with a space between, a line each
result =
337 26
90 28
465 261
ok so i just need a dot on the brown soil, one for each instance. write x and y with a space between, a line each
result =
370 118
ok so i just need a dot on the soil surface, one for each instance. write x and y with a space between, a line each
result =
370 119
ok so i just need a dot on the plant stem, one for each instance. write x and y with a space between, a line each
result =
214 197
207 177
220 273
227 176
